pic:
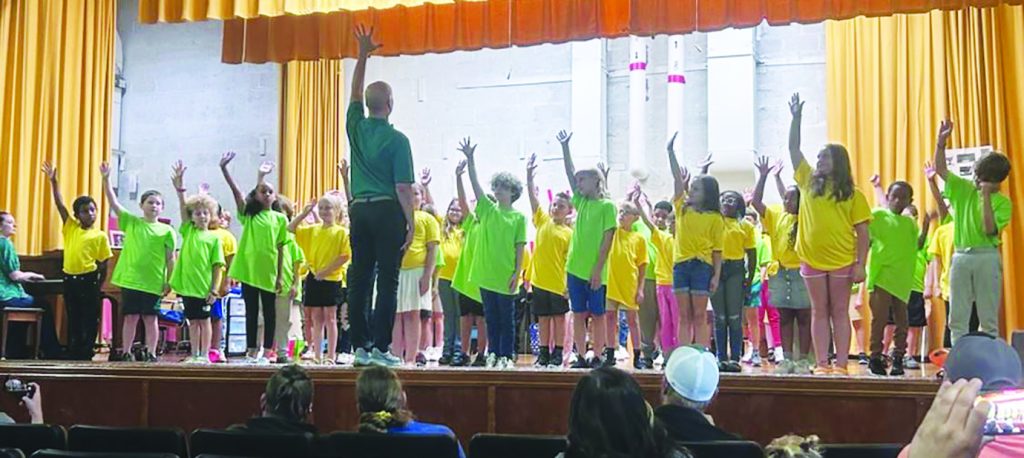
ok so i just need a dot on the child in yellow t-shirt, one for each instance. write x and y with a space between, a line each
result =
229 245
627 267
739 265
86 251
414 282
662 224
452 238
326 248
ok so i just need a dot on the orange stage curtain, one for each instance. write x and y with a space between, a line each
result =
471 25
312 133
891 80
152 11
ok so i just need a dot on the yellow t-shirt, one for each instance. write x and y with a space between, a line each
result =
942 248
777 224
426 231
666 255
83 248
451 249
737 239
228 243
628 254
698 234
826 240
551 252
322 246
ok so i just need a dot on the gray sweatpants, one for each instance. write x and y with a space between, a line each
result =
975 276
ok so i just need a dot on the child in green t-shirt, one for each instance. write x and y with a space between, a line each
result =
502 242
980 213
471 311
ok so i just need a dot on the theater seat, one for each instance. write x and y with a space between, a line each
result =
11 453
29 438
357 445
861 450
725 449
50 453
515 446
253 445
83 438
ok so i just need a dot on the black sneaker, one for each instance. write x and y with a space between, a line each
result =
640 362
459 360
877 365
421 359
581 363
897 366
543 357
556 358
609 358
445 360
862 359
480 360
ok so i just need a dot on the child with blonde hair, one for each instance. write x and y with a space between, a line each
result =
415 301
200 264
326 248
627 267
229 245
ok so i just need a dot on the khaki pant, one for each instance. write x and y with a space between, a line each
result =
975 276
881 302
648 317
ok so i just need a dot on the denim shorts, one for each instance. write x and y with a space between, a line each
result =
692 276
583 299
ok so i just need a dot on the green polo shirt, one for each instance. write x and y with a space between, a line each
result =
381 156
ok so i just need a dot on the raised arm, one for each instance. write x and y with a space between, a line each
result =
294 224
757 197
933 186
796 109
58 200
425 180
468 149
531 186
780 186
678 173
178 181
705 165
570 169
637 200
343 171
266 168
115 206
366 46
945 130
922 238
460 188
237 194
880 198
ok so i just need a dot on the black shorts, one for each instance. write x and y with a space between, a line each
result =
196 308
915 311
470 307
546 303
426 314
321 293
134 302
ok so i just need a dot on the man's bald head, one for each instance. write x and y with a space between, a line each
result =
378 98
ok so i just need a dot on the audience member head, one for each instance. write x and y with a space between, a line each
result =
561 207
900 195
506 188
152 204
991 168
289 394
7 225
662 210
793 446
84 208
985 358
732 204
832 173
454 215
381 400
704 194
591 183
262 197
200 209
609 417
628 215
691 378
379 100
331 209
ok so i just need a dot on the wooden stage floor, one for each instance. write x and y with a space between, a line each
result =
756 404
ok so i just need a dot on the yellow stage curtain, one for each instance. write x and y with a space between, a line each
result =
56 86
312 137
891 80
153 11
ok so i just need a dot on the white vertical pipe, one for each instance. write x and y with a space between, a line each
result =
637 106
676 85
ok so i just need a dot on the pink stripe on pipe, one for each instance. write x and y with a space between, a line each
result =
551 197
677 79
638 66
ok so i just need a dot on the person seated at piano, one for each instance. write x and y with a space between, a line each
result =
12 294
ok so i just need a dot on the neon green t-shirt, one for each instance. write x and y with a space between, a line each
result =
256 261
594 217
893 255
143 262
462 281
921 266
292 254
652 251
969 221
200 251
500 231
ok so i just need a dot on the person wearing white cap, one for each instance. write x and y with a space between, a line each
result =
689 386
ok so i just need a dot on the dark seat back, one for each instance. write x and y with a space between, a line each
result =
358 445
861 450
515 446
255 445
29 438
50 453
11 453
127 440
725 449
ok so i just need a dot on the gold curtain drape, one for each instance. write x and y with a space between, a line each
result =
56 86
891 80
312 122
153 11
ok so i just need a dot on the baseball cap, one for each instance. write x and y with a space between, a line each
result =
986 358
692 373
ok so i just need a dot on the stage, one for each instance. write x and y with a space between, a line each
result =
757 404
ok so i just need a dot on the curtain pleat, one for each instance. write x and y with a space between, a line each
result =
312 142
153 11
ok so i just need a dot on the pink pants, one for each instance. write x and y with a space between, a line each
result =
668 310
774 336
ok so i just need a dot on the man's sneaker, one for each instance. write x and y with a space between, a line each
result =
732 367
862 359
897 367
609 357
543 357
361 358
755 360
492 360
877 365
378 358
910 363
480 361
556 358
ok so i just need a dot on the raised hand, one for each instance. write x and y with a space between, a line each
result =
309 206
365 39
105 169
706 163
684 175
762 166
266 167
425 177
531 166
604 170
467 148
929 170
672 142
178 176
226 159
563 137
748 196
945 130
343 167
461 168
204 188
777 167
796 106
876 181
50 171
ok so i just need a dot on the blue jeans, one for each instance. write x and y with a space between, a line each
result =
727 303
500 314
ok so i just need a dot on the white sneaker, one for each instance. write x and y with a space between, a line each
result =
344 358
747 355
910 363
505 364
779 355
492 361
755 360
660 360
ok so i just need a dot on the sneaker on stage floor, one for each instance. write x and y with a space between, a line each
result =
755 360
897 367
543 357
282 358
344 359
803 367
151 358
491 361
862 359
748 355
361 358
421 359
877 365
480 361
505 363
910 363
217 356
556 360
580 363
445 360
610 357
459 360
271 356
385 359
785 367
659 361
